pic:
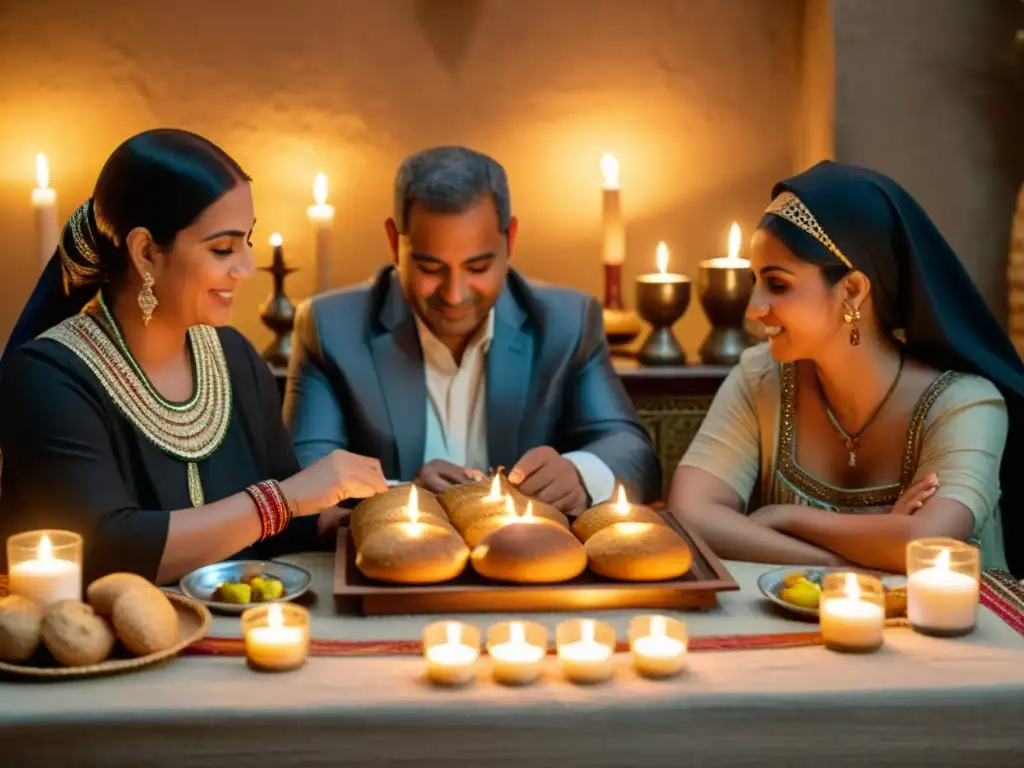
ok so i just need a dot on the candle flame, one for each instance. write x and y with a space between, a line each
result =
413 510
42 172
528 514
517 632
658 626
587 631
320 188
510 506
942 561
852 588
621 505
275 616
734 241
495 493
661 258
45 551
610 171
276 240
453 633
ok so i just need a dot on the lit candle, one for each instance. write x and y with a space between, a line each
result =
733 260
452 661
322 216
276 641
851 620
277 243
613 251
45 576
662 275
517 660
940 599
657 653
44 201
585 660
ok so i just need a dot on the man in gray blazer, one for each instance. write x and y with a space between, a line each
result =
451 363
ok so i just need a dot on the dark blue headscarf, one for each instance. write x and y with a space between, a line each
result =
868 222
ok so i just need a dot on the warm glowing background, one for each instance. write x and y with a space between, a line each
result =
705 103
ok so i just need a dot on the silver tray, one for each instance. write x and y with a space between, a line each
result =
201 583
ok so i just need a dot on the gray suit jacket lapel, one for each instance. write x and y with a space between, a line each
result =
509 374
399 361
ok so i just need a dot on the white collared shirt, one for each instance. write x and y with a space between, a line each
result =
457 410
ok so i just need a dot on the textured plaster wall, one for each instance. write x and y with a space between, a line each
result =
698 98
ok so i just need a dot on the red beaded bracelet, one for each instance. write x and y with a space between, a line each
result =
275 512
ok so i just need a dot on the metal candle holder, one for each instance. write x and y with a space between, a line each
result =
724 291
278 313
661 302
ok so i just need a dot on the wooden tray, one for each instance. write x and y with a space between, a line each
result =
471 593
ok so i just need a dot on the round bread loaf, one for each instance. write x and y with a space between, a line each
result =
367 524
540 552
638 552
467 502
103 593
75 634
392 554
398 498
608 513
145 621
20 622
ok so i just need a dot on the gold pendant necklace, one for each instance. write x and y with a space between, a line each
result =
851 441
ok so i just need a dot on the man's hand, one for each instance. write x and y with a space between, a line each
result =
438 476
544 474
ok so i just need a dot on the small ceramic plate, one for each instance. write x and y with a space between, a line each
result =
770 584
201 584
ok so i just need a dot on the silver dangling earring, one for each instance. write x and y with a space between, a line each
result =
147 299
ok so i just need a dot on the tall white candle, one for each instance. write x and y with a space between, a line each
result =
613 250
941 599
44 201
46 579
322 216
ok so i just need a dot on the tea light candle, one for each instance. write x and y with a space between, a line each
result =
658 645
276 637
662 275
451 649
585 650
45 566
517 650
322 216
943 587
44 202
852 612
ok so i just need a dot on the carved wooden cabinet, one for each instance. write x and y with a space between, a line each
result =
671 403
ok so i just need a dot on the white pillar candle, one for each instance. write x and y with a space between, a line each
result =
276 646
44 202
451 662
516 661
585 660
322 216
848 621
46 579
941 600
613 250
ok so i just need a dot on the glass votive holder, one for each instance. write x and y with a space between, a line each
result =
943 586
45 566
517 650
658 644
852 612
451 649
276 637
586 649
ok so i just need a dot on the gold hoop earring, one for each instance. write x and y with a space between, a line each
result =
147 299
851 316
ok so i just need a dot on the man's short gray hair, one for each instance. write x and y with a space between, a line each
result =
450 180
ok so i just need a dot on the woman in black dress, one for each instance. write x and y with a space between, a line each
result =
129 411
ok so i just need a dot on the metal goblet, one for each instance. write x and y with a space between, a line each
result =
661 300
724 292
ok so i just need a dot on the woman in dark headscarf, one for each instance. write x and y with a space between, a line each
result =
883 407
137 418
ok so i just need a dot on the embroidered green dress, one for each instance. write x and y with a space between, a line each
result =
89 445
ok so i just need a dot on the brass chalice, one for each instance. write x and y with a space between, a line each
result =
661 299
724 287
